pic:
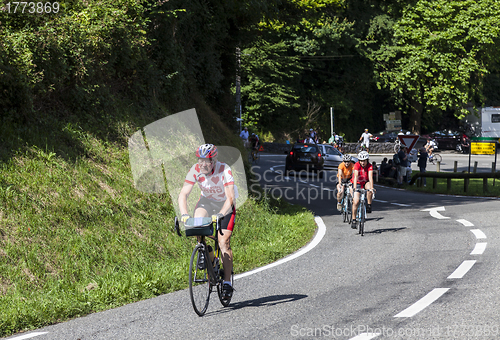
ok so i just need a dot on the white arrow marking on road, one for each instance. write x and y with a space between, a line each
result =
28 336
478 233
319 236
418 306
465 223
434 213
462 269
479 248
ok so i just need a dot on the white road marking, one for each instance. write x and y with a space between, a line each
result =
28 336
465 223
434 213
462 269
365 336
479 248
478 233
319 236
401 204
380 201
421 304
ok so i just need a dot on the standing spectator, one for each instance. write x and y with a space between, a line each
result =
375 171
422 163
312 133
403 159
383 164
465 143
365 136
244 136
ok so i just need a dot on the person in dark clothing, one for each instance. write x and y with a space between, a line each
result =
422 163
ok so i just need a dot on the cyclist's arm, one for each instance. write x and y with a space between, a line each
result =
229 191
183 195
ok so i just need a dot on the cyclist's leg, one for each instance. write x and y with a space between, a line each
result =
369 194
227 226
340 192
355 203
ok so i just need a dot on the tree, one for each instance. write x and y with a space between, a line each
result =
440 55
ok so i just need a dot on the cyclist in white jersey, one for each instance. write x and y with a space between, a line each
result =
217 198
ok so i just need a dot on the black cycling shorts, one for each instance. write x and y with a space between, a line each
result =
214 208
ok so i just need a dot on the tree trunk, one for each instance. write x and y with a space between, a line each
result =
416 111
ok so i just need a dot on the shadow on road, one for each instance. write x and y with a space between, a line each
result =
263 301
380 231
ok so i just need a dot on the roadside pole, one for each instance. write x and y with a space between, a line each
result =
331 119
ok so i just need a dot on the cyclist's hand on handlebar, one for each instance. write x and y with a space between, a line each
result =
217 217
184 218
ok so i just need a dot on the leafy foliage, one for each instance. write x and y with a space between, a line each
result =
440 55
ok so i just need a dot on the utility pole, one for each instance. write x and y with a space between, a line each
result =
238 87
331 118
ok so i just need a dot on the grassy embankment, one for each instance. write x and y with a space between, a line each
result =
457 187
76 237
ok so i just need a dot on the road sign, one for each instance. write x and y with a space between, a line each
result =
408 140
481 148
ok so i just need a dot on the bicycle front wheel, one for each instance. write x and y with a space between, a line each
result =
397 146
256 158
199 283
362 219
224 302
438 157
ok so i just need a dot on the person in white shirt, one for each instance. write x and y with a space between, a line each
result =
365 136
244 136
430 146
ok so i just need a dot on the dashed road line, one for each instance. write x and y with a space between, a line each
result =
479 248
421 304
478 233
462 269
465 223
401 204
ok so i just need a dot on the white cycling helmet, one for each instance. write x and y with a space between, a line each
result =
346 158
363 155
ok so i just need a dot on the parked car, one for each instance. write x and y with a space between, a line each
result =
304 156
332 156
445 139
387 136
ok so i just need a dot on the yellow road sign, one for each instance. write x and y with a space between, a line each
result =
481 148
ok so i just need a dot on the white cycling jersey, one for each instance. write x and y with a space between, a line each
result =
212 186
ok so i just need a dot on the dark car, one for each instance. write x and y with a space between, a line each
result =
445 139
387 136
303 156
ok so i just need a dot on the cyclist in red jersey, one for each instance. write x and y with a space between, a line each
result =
218 197
363 177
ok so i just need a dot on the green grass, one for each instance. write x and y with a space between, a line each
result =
457 187
76 237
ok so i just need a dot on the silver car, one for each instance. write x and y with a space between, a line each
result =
332 156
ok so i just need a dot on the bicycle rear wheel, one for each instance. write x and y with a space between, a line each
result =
224 302
437 157
344 209
199 283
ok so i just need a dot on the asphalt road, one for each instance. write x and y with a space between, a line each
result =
416 274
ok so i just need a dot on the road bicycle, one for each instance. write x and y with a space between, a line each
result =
435 158
254 155
346 203
205 270
361 212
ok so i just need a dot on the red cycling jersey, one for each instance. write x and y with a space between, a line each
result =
362 173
